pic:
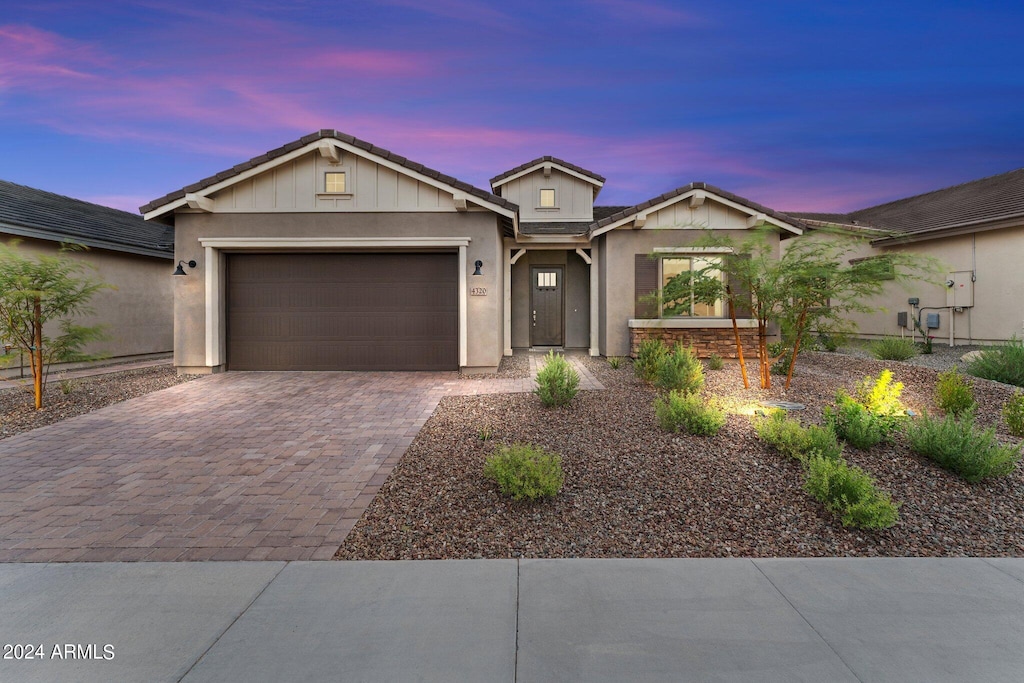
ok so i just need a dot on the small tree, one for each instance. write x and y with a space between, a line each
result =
35 290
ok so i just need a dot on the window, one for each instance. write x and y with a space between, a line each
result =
547 199
683 279
334 182
547 280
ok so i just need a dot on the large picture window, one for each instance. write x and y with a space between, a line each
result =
683 281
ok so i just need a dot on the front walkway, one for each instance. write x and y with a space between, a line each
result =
760 620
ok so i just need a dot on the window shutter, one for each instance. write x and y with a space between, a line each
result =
744 308
645 287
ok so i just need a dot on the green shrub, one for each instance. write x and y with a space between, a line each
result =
829 342
855 424
715 362
525 472
781 366
557 381
959 446
680 370
680 411
648 359
953 394
790 438
892 348
849 492
1013 414
823 443
881 396
614 362
1004 363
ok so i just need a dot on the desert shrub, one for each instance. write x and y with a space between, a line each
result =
1013 414
557 381
525 472
959 446
790 438
881 396
680 370
892 348
829 342
614 362
953 393
648 359
715 362
849 492
680 411
823 443
1003 363
855 424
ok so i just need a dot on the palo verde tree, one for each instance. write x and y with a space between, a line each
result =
41 289
812 285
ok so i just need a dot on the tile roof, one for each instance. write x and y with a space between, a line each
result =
546 159
566 228
29 212
335 135
654 201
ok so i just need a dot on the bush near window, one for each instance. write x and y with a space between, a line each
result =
557 381
1004 363
1013 414
893 348
849 492
953 393
525 472
680 411
648 359
680 370
959 446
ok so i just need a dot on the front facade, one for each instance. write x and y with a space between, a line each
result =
332 254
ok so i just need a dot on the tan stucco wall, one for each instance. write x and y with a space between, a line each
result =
577 296
484 313
998 263
138 314
617 280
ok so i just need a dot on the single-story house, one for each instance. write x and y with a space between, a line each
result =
330 253
123 250
975 231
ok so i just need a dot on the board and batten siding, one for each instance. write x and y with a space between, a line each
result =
298 186
710 214
574 198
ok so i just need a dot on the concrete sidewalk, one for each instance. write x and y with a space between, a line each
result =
529 620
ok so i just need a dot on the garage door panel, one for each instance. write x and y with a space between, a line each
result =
342 311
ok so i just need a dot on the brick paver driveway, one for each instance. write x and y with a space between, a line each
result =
238 466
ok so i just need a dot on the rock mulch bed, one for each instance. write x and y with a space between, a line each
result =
17 413
634 491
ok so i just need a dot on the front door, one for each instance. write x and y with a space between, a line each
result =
546 306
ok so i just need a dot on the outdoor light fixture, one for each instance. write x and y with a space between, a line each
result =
478 265
181 271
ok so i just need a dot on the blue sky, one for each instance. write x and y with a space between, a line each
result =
797 105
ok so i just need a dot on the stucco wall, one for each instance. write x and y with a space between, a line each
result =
138 314
577 296
484 347
996 257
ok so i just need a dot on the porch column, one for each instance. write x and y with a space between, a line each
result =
463 310
506 264
595 308
213 307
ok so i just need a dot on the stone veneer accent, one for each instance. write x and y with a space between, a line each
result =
705 341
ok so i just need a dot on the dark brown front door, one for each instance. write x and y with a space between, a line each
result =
342 312
546 306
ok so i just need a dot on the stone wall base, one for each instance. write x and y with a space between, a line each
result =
705 341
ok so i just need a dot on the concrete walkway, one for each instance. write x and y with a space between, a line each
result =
531 620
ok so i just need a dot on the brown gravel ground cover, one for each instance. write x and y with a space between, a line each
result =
632 490
84 395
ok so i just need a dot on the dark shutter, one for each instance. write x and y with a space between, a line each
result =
744 308
646 286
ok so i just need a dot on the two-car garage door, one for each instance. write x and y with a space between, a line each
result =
362 311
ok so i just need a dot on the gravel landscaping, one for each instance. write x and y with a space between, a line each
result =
632 490
84 395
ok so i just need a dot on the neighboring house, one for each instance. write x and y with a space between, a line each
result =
976 233
122 249
332 254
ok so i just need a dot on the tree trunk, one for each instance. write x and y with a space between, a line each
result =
37 353
762 350
796 346
736 333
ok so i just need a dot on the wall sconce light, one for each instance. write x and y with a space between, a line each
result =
181 271
478 265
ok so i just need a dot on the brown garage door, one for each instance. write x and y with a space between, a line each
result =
342 312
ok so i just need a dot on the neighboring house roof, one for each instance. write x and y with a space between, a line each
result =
28 212
539 162
952 209
568 227
327 134
756 208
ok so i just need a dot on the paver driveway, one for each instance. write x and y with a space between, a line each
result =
233 466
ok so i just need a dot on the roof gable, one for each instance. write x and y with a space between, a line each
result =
546 163
28 212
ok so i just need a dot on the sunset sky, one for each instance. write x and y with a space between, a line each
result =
796 105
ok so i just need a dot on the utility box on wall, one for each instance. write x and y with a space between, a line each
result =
931 321
961 294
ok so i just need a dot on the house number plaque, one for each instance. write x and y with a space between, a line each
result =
478 291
